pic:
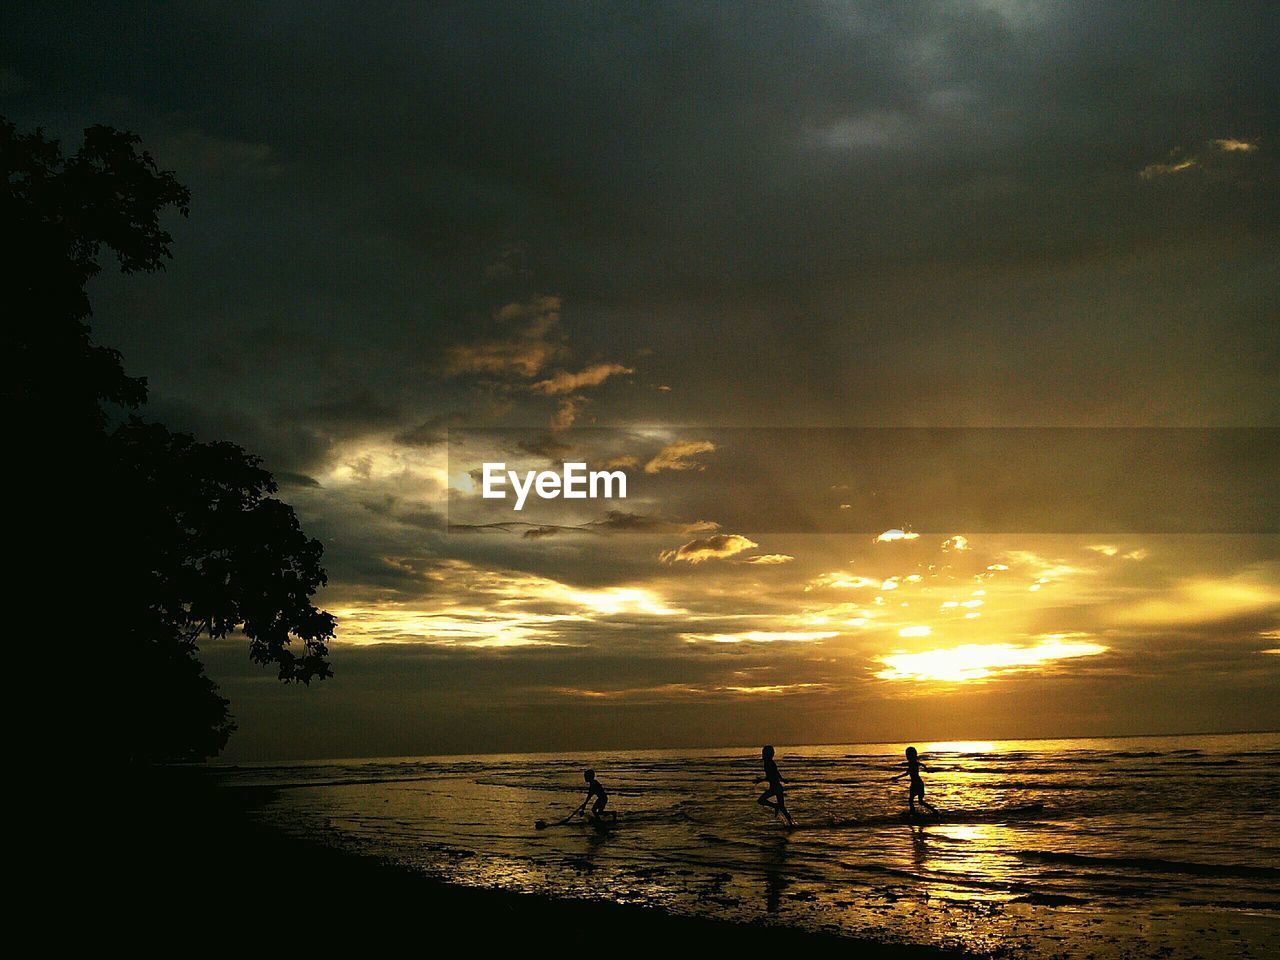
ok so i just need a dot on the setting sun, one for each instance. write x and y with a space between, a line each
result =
978 661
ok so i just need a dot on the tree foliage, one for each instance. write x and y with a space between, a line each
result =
216 553
185 540
59 213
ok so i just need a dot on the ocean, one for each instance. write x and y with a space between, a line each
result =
1154 846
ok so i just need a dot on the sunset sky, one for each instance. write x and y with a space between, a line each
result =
674 221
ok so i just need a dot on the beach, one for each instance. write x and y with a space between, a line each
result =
1132 847
199 857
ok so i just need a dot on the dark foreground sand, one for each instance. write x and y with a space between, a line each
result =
195 870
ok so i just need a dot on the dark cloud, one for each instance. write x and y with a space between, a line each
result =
913 199
430 432
355 413
533 214
288 479
620 521
537 533
547 445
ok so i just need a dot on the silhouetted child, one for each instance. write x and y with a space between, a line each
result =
775 781
914 766
601 797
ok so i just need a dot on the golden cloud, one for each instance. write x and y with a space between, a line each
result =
891 536
1208 156
708 548
523 353
1111 550
839 581
566 382
495 608
670 691
675 456
1204 601
762 636
1153 170
566 413
1235 146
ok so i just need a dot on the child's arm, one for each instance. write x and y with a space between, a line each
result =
899 776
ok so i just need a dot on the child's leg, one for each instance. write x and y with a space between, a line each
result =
782 808
763 799
917 791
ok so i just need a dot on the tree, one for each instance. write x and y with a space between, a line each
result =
58 213
207 551
182 540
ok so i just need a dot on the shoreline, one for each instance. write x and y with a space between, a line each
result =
208 841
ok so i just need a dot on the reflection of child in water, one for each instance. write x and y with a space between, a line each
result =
594 789
916 791
775 781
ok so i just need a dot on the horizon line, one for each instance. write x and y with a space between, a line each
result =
216 762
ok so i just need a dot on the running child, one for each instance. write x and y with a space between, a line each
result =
774 790
916 791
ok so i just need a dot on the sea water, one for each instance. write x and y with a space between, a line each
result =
1164 846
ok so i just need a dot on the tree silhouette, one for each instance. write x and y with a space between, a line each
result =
209 552
183 540
58 213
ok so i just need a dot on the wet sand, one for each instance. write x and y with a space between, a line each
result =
198 866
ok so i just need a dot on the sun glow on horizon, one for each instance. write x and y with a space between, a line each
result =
979 661
762 636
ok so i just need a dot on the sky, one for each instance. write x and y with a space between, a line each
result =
637 234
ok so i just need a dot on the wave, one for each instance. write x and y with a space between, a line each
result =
1152 864
1027 811
1050 900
